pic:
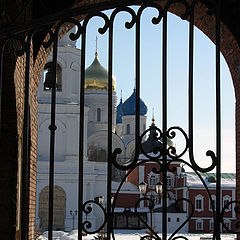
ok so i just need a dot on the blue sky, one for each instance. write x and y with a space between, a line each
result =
151 60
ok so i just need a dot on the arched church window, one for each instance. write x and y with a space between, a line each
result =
99 115
48 77
97 154
128 129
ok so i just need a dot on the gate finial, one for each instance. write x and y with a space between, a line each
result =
153 119
96 52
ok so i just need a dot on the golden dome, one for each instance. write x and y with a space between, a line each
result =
96 76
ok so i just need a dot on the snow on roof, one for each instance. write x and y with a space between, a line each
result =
228 180
143 157
127 186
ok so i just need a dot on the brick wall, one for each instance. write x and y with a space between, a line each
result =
8 148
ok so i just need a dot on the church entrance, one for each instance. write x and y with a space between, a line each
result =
59 208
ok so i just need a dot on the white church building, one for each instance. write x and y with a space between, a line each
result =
67 136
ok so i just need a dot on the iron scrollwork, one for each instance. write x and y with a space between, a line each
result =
164 156
170 154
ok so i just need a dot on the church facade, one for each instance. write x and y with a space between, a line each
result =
95 135
180 184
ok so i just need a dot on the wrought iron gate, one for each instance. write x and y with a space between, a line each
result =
163 156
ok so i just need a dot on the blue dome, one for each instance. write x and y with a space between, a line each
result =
129 108
119 112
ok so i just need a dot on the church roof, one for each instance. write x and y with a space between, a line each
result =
96 76
152 144
228 180
129 106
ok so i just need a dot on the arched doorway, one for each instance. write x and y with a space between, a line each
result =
59 208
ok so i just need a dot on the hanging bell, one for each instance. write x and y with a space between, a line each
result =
48 83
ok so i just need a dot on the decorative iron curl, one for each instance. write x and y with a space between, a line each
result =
76 35
171 134
155 20
186 221
154 169
121 184
236 210
150 206
54 35
100 14
49 42
128 24
183 16
209 153
173 169
87 208
125 166
124 180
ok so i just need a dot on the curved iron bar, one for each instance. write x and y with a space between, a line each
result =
171 134
88 209
128 25
149 237
236 210
209 153
183 16
186 221
150 206
183 199
190 101
155 20
173 169
49 42
180 237
91 15
53 34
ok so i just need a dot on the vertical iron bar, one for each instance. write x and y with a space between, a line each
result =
190 80
109 165
81 136
218 125
52 129
1 78
25 161
137 100
164 126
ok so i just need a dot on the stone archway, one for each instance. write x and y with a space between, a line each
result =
59 208
206 23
